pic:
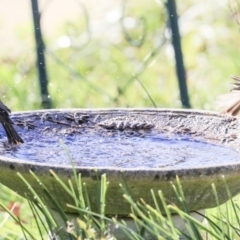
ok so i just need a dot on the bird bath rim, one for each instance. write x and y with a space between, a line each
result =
109 169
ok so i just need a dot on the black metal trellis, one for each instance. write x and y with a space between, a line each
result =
41 64
176 42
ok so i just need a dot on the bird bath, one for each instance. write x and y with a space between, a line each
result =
148 146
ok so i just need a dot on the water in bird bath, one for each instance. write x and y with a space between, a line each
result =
124 149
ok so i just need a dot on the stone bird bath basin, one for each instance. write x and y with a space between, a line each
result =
149 146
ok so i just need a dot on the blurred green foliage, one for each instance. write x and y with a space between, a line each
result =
92 69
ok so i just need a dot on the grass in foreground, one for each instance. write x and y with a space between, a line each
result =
150 222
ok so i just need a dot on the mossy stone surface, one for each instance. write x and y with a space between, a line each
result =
196 181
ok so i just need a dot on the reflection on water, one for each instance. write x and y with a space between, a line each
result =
120 150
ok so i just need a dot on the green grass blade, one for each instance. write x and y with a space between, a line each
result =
24 229
37 218
38 199
169 215
194 221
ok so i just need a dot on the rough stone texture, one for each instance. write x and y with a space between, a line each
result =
196 182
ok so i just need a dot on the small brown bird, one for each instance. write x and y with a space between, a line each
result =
230 103
12 135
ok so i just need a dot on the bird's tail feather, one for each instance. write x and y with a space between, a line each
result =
12 135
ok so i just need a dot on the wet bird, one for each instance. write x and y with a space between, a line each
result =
12 135
230 103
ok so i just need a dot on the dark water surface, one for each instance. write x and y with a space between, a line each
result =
120 150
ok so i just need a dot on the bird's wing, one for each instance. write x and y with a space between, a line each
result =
4 112
230 103
4 107
236 84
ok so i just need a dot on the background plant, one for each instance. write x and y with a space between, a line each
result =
85 60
